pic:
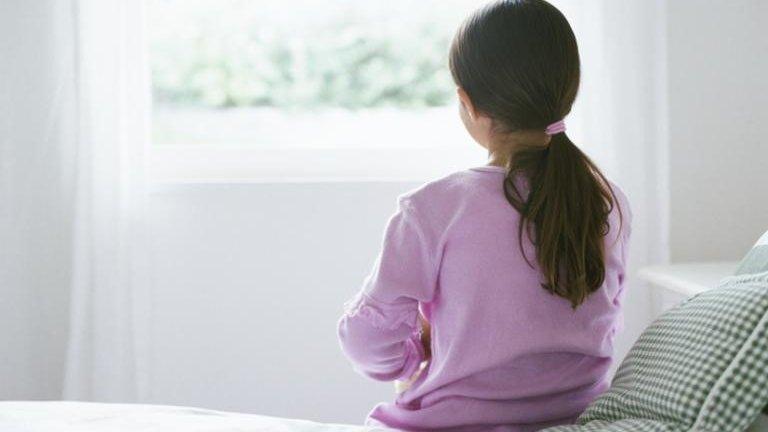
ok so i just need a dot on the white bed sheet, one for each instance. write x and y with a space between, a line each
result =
96 417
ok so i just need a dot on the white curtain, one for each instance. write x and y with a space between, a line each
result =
74 194
74 112
106 356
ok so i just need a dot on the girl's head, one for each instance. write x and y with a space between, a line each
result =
516 63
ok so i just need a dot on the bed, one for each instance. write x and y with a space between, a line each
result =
97 417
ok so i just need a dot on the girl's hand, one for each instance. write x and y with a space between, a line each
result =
426 342
426 337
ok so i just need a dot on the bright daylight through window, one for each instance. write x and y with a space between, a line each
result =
305 89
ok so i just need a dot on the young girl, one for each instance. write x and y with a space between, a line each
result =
518 265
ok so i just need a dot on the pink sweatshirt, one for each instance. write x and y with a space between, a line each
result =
506 355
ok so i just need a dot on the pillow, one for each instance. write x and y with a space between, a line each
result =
756 260
761 424
701 366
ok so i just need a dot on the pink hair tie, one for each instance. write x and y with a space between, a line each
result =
555 128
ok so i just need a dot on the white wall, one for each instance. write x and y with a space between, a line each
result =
34 272
250 281
718 102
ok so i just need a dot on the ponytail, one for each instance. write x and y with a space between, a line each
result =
564 210
518 61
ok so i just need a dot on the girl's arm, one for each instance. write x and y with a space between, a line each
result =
380 331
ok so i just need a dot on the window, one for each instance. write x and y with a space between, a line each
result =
307 89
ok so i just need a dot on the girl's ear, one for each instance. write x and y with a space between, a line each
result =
466 102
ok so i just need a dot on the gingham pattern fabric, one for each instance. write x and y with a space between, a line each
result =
628 425
702 366
742 391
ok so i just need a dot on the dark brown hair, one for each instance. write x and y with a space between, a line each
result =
518 62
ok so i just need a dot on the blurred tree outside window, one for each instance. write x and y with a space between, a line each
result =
305 73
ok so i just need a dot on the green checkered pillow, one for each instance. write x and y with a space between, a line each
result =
701 366
756 260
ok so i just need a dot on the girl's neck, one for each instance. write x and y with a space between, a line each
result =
502 149
500 159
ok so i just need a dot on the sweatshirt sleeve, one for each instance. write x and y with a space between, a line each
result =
626 231
380 330
625 223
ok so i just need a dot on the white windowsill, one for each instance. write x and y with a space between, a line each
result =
671 284
221 164
688 279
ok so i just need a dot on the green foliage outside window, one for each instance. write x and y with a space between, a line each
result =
234 56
